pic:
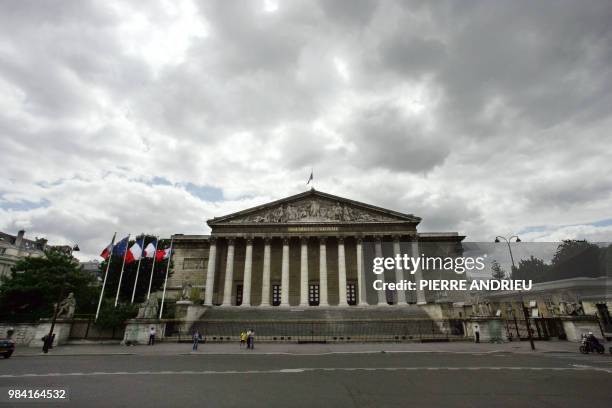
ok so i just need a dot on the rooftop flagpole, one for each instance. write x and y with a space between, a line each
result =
110 257
127 248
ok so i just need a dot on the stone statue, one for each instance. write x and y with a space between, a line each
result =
148 309
66 308
313 210
336 212
186 291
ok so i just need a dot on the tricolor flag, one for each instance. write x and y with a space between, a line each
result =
311 178
107 251
162 254
121 246
149 251
135 251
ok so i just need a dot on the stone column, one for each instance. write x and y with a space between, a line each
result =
382 297
210 272
265 281
341 273
229 274
304 272
285 274
248 267
361 279
323 272
418 275
399 273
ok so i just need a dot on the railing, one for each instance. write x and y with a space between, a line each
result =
320 331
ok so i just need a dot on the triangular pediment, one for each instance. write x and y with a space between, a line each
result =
314 207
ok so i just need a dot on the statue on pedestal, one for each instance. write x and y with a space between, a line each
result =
186 291
66 308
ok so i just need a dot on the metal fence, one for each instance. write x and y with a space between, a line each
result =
541 328
320 331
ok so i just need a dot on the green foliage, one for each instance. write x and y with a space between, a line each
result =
497 272
532 268
111 317
129 275
572 259
35 284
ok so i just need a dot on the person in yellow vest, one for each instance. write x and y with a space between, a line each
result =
243 338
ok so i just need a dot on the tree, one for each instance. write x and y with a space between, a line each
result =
129 275
112 317
575 258
532 268
497 271
35 284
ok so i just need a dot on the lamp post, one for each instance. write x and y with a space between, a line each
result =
48 339
517 239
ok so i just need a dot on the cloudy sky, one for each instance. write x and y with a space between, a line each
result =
480 117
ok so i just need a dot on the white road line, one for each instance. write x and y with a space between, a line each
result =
302 370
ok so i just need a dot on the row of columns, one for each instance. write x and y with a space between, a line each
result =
323 295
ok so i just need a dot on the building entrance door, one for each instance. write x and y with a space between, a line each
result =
313 294
238 295
276 295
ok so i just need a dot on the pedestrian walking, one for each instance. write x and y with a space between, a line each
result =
243 338
196 339
248 338
251 339
476 334
152 336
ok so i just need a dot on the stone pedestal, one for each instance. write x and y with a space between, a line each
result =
489 328
182 306
575 326
61 331
137 330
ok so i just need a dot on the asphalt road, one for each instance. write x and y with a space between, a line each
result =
332 380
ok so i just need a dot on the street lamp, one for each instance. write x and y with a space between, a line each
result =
48 339
517 239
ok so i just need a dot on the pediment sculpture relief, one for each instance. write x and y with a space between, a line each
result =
312 211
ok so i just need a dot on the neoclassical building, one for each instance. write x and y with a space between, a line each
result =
309 250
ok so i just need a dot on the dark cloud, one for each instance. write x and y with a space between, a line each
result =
481 117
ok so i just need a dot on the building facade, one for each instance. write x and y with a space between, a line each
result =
309 250
16 247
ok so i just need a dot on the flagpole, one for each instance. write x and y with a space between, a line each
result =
110 257
127 248
138 267
152 267
161 309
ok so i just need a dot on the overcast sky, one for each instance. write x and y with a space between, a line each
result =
484 118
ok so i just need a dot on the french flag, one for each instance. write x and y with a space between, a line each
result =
106 252
135 252
149 251
162 254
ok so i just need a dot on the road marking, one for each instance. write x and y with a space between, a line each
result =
575 367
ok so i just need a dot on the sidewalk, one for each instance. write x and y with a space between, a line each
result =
304 349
